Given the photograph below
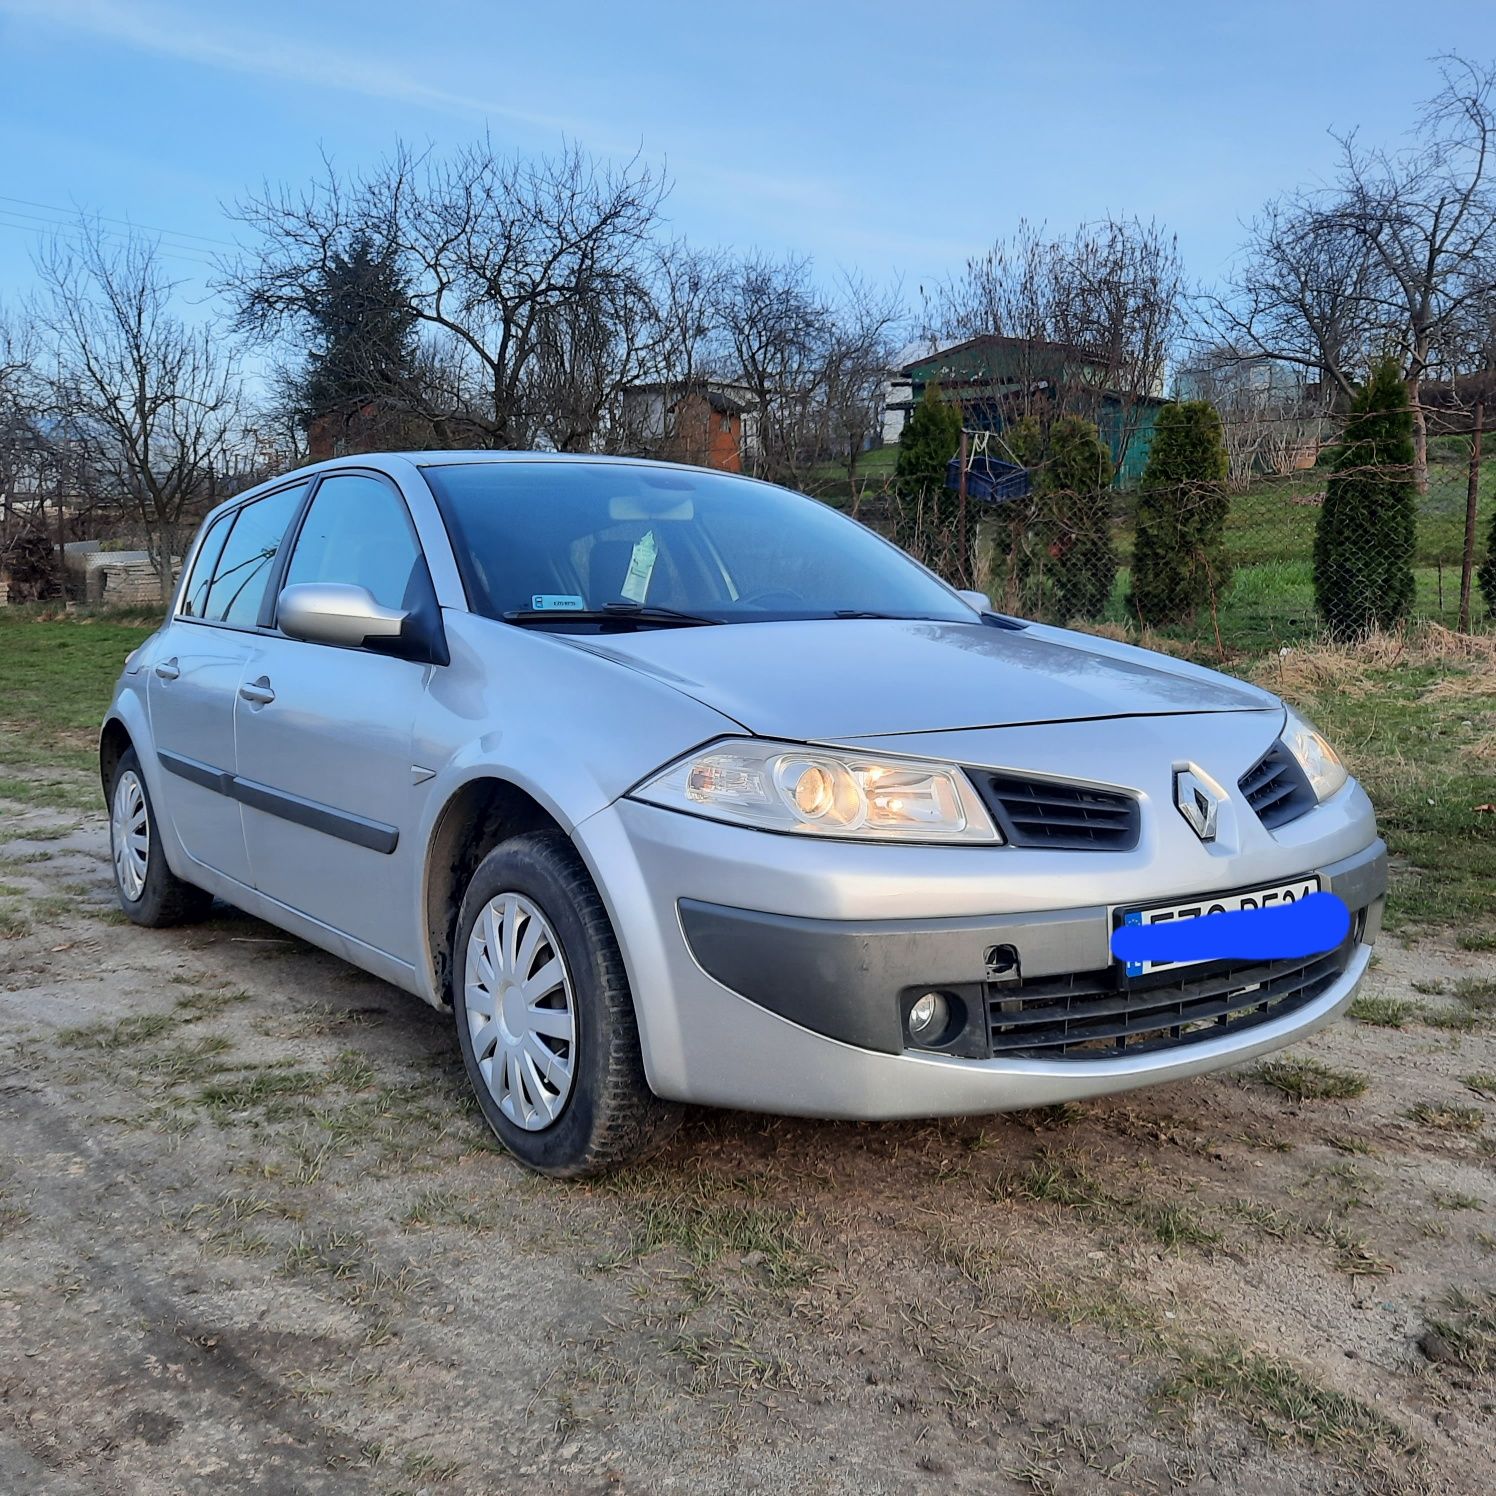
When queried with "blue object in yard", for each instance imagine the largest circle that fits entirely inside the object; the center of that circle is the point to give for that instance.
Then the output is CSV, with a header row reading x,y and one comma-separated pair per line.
x,y
989,480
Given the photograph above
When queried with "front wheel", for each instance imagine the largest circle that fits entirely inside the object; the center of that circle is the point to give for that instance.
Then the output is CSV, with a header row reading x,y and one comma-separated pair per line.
x,y
544,1014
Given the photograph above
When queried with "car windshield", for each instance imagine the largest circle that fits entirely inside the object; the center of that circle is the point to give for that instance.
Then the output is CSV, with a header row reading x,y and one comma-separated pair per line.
x,y
537,541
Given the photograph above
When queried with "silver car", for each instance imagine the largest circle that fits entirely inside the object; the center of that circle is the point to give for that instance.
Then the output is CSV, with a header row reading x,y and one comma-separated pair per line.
x,y
676,786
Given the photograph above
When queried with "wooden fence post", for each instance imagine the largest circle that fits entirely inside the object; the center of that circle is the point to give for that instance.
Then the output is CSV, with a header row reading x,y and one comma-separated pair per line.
x,y
1472,503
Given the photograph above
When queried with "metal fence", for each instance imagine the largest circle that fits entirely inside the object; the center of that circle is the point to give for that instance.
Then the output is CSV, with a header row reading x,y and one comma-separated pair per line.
x,y
1062,557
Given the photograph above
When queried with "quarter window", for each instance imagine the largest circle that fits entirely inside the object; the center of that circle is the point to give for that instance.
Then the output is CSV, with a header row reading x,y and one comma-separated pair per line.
x,y
243,570
195,593
357,531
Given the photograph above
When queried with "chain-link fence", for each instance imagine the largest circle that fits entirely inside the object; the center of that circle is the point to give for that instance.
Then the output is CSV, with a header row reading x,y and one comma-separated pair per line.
x,y
1231,564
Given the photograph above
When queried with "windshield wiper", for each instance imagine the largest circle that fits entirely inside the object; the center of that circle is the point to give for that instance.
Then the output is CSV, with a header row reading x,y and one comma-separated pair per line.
x,y
618,612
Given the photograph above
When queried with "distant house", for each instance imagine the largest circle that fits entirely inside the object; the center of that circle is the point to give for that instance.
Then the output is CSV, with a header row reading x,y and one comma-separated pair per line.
x,y
705,422
897,394
997,380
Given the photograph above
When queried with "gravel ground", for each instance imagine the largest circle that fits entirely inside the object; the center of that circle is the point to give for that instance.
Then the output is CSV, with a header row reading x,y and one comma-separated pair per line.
x,y
253,1236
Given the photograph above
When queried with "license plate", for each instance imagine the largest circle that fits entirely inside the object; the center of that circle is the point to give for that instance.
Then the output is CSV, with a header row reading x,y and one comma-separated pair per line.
x,y
1216,903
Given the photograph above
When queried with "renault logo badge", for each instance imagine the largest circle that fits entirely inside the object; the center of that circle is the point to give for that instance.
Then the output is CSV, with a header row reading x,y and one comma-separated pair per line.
x,y
1197,803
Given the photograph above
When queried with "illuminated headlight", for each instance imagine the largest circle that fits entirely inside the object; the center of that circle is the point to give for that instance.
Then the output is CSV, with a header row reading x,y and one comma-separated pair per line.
x,y
1320,762
817,792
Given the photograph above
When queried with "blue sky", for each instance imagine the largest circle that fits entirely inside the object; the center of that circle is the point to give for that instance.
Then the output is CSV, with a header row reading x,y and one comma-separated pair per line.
x,y
892,138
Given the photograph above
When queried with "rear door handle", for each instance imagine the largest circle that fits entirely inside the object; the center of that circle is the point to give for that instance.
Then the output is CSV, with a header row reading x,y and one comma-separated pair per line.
x,y
169,669
257,691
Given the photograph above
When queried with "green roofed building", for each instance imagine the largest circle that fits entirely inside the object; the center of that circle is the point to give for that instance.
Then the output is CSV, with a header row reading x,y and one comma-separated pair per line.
x,y
999,380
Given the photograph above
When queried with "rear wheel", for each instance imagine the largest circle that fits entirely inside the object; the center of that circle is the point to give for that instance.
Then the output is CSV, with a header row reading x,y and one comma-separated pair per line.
x,y
149,892
544,1014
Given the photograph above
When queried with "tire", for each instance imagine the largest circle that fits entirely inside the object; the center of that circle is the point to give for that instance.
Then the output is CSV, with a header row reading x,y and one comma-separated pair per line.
x,y
555,1064
149,892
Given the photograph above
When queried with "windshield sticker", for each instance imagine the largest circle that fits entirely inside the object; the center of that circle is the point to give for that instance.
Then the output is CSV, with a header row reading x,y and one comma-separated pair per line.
x,y
641,568
557,602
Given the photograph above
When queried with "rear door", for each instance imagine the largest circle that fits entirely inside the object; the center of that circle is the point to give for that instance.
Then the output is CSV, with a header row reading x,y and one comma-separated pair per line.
x,y
324,733
197,670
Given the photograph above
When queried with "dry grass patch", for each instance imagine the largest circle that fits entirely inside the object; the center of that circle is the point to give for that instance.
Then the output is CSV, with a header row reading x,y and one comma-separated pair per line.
x,y
1467,1337
1310,1080
1382,1012
140,1028
1447,1116
1282,1403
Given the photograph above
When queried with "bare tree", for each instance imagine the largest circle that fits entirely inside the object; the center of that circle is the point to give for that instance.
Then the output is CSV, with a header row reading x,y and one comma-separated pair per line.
x,y
1399,253
774,326
1303,292
865,331
23,443
525,277
1428,216
1109,299
148,405
1270,412
813,362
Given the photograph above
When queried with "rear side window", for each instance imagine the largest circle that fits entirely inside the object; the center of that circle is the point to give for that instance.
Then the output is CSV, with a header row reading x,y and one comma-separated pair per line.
x,y
244,566
195,593
357,531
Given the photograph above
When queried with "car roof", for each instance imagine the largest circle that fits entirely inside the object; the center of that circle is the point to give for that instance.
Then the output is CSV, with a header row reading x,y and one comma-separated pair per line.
x,y
395,464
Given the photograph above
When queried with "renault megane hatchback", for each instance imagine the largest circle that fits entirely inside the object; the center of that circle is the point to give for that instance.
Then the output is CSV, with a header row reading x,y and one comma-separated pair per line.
x,y
676,786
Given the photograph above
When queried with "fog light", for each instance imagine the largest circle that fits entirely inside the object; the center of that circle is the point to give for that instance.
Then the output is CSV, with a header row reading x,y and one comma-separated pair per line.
x,y
929,1017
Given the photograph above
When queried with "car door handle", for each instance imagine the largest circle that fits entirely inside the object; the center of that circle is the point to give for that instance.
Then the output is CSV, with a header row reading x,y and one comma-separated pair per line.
x,y
168,669
257,691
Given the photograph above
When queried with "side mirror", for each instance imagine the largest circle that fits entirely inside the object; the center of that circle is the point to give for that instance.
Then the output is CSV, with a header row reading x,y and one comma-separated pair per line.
x,y
979,600
337,613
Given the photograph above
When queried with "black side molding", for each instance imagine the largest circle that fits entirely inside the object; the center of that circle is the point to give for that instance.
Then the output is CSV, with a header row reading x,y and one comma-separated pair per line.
x,y
343,824
203,775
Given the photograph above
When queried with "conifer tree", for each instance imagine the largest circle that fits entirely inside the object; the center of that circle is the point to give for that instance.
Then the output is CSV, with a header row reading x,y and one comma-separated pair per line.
x,y
1364,543
1179,558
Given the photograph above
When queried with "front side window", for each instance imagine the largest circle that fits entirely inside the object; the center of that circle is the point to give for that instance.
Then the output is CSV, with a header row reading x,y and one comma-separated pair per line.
x,y
357,531
243,569
559,537
195,593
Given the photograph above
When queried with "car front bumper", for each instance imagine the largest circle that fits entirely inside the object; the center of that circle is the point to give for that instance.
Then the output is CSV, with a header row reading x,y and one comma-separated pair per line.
x,y
828,934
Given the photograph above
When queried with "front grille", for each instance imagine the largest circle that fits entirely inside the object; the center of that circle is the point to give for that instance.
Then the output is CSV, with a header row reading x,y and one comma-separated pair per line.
x,y
1062,816
1096,1016
1277,788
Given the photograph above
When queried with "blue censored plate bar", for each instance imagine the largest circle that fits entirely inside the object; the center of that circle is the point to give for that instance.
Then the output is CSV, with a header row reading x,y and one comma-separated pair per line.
x,y
1289,926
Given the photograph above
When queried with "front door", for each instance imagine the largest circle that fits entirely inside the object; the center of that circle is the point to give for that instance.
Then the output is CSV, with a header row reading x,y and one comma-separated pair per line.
x,y
196,669
324,735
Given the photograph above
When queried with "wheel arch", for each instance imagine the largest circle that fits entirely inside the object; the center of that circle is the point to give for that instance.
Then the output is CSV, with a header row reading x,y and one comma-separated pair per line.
x,y
478,815
114,742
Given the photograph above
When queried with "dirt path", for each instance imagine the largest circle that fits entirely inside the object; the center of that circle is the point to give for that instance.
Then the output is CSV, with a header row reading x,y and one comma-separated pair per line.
x,y
254,1237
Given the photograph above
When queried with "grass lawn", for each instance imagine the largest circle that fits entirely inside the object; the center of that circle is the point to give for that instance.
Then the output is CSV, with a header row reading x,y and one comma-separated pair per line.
x,y
1418,728
56,677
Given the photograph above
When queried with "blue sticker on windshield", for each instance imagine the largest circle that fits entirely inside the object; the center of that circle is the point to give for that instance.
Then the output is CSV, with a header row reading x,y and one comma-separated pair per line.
x,y
557,602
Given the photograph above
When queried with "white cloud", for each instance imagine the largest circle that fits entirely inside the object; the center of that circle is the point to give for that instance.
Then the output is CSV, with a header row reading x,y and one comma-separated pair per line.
x,y
183,36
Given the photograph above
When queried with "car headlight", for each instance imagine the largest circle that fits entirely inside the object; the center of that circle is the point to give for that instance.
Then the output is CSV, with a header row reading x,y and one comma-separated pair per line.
x,y
1320,762
819,792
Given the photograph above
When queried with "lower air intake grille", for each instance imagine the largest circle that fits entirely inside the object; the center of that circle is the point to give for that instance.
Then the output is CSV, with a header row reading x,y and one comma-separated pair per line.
x,y
1092,1016
1276,788
1066,817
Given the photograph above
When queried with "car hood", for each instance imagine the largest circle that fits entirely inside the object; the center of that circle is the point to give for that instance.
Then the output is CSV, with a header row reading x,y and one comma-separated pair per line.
x,y
842,678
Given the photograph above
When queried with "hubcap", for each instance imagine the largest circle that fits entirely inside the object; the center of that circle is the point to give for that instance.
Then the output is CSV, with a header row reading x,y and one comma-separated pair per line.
x,y
521,1015
129,835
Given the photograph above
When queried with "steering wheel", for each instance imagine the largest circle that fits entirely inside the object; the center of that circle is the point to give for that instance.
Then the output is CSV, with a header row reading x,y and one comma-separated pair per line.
x,y
772,597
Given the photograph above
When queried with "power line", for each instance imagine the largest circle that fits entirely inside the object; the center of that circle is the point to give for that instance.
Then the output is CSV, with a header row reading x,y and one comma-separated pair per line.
x,y
72,213
61,231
